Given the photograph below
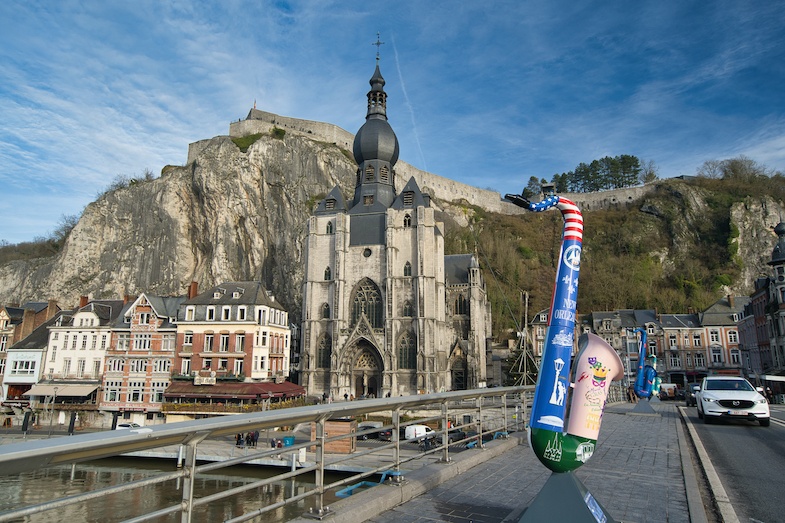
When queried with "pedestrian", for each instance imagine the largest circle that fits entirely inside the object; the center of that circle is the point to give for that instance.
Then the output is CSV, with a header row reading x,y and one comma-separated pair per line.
x,y
238,440
345,396
272,443
248,439
255,437
769,395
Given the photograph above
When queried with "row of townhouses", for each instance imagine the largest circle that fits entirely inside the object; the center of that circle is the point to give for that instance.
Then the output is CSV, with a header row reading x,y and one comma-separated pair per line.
x,y
149,358
737,335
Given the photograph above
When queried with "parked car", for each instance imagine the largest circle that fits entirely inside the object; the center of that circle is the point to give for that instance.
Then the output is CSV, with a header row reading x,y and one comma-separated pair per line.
x,y
456,435
418,432
366,425
126,426
690,395
726,397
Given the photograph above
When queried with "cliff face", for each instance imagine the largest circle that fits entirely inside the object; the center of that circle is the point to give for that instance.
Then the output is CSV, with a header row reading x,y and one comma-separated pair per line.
x,y
226,216
232,215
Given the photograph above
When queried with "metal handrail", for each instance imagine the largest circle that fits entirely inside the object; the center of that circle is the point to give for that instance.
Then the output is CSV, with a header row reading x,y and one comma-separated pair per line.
x,y
31,455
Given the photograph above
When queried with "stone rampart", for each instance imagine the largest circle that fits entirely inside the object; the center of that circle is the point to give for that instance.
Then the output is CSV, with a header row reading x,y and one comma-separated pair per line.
x,y
437,186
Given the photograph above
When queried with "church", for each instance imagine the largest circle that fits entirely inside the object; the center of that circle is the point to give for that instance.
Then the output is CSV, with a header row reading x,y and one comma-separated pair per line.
x,y
385,312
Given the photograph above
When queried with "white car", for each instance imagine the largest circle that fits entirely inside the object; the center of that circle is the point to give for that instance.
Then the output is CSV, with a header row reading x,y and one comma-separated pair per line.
x,y
127,426
729,397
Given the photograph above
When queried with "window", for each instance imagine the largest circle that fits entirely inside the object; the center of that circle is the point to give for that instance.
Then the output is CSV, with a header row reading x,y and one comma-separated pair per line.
x,y
143,341
407,352
408,198
408,310
733,337
208,343
210,313
66,367
123,341
672,341
223,343
94,342
696,340
407,221
162,365
384,174
137,365
242,313
226,313
80,367
112,390
157,392
325,311
675,360
239,343
96,368
649,329
23,367
136,391
223,363
185,366
688,358
189,313
369,172
73,342
207,363
65,341
188,338
264,338
115,365
238,367
324,352
103,341
54,354
700,359
329,227
329,204
461,305
167,342
144,318
735,357
368,199
328,275
407,269
714,336
84,342
716,355
367,301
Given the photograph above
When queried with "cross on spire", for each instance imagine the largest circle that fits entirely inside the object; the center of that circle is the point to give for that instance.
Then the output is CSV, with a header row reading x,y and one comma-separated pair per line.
x,y
378,43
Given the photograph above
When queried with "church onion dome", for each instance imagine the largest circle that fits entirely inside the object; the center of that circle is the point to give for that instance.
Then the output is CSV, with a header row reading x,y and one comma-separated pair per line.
x,y
778,255
376,140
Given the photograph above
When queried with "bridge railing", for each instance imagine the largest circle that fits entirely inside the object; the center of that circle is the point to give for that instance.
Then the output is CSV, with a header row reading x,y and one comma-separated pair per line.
x,y
478,415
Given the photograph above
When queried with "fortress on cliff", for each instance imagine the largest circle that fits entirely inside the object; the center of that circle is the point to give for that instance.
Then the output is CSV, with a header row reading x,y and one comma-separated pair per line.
x,y
439,187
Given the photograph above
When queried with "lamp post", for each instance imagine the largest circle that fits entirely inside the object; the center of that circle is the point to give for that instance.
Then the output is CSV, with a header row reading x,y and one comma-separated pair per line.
x,y
52,412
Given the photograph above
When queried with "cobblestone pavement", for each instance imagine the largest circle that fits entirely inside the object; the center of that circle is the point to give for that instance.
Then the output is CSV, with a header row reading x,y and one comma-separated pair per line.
x,y
635,473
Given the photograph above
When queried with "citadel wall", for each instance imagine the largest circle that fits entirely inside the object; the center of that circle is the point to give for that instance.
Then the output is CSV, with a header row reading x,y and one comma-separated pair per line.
x,y
439,187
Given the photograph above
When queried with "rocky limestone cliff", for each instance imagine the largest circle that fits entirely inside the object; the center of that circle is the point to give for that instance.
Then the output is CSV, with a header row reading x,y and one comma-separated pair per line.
x,y
233,215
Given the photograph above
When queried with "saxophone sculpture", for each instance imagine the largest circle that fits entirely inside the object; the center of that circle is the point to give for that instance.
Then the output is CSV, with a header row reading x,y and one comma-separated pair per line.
x,y
597,364
647,374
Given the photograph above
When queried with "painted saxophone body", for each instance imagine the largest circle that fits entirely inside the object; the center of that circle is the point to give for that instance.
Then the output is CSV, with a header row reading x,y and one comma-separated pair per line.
x,y
597,364
646,375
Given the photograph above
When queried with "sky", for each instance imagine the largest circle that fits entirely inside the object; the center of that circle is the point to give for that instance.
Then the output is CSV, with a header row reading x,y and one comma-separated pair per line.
x,y
485,93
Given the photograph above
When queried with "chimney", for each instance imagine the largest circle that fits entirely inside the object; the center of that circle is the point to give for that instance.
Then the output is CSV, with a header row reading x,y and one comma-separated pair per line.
x,y
193,290
51,309
83,300
28,323
731,300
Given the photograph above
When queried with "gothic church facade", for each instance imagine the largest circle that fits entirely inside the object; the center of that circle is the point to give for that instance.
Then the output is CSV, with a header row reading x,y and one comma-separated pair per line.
x,y
385,312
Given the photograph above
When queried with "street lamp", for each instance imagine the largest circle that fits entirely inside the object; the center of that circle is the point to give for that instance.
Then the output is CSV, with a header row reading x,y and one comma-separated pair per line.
x,y
52,412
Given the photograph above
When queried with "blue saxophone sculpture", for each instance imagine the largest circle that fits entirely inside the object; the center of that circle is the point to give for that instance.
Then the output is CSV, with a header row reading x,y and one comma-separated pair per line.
x,y
647,374
596,362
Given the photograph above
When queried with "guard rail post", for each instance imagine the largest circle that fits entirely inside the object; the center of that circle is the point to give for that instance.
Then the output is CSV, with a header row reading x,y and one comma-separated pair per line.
x,y
445,434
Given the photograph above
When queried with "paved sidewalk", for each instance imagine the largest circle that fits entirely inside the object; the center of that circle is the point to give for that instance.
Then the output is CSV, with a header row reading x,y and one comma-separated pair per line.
x,y
636,473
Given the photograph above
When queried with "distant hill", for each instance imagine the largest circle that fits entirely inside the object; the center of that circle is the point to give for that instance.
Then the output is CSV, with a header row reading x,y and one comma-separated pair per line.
x,y
238,210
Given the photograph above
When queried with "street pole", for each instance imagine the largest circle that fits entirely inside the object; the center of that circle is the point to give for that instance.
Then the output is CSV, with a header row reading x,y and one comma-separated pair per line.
x,y
52,412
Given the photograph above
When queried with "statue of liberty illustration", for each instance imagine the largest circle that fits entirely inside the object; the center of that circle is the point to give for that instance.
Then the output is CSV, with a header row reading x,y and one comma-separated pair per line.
x,y
595,364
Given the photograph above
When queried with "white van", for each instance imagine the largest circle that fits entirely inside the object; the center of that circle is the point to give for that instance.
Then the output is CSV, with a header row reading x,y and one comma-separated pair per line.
x,y
418,432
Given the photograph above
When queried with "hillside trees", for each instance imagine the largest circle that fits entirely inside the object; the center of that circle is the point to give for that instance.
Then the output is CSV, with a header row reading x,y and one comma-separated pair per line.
x,y
603,174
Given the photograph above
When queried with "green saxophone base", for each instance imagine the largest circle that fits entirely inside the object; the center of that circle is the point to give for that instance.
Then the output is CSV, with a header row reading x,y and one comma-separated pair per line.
x,y
565,498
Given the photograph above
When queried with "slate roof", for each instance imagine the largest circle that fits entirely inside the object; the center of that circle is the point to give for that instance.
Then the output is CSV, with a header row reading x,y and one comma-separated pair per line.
x,y
251,293
39,338
456,268
680,321
722,313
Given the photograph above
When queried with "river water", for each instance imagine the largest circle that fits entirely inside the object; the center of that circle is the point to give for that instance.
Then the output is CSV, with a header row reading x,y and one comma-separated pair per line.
x,y
55,482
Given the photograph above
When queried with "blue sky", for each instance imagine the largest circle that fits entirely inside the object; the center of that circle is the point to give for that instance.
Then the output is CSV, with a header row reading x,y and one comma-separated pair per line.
x,y
487,93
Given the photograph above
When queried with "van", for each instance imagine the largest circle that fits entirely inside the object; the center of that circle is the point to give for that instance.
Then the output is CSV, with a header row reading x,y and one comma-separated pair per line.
x,y
418,432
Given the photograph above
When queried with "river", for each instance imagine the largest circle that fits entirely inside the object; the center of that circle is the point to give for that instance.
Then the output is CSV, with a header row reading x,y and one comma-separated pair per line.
x,y
55,482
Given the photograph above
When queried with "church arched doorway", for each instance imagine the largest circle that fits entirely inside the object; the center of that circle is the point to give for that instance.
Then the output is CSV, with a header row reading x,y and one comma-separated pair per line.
x,y
366,371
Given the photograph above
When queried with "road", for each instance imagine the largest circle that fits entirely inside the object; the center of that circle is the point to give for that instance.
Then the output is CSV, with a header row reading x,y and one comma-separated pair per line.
x,y
750,462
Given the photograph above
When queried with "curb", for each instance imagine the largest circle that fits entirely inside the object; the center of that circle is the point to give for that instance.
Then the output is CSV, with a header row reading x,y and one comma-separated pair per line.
x,y
372,502
716,489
